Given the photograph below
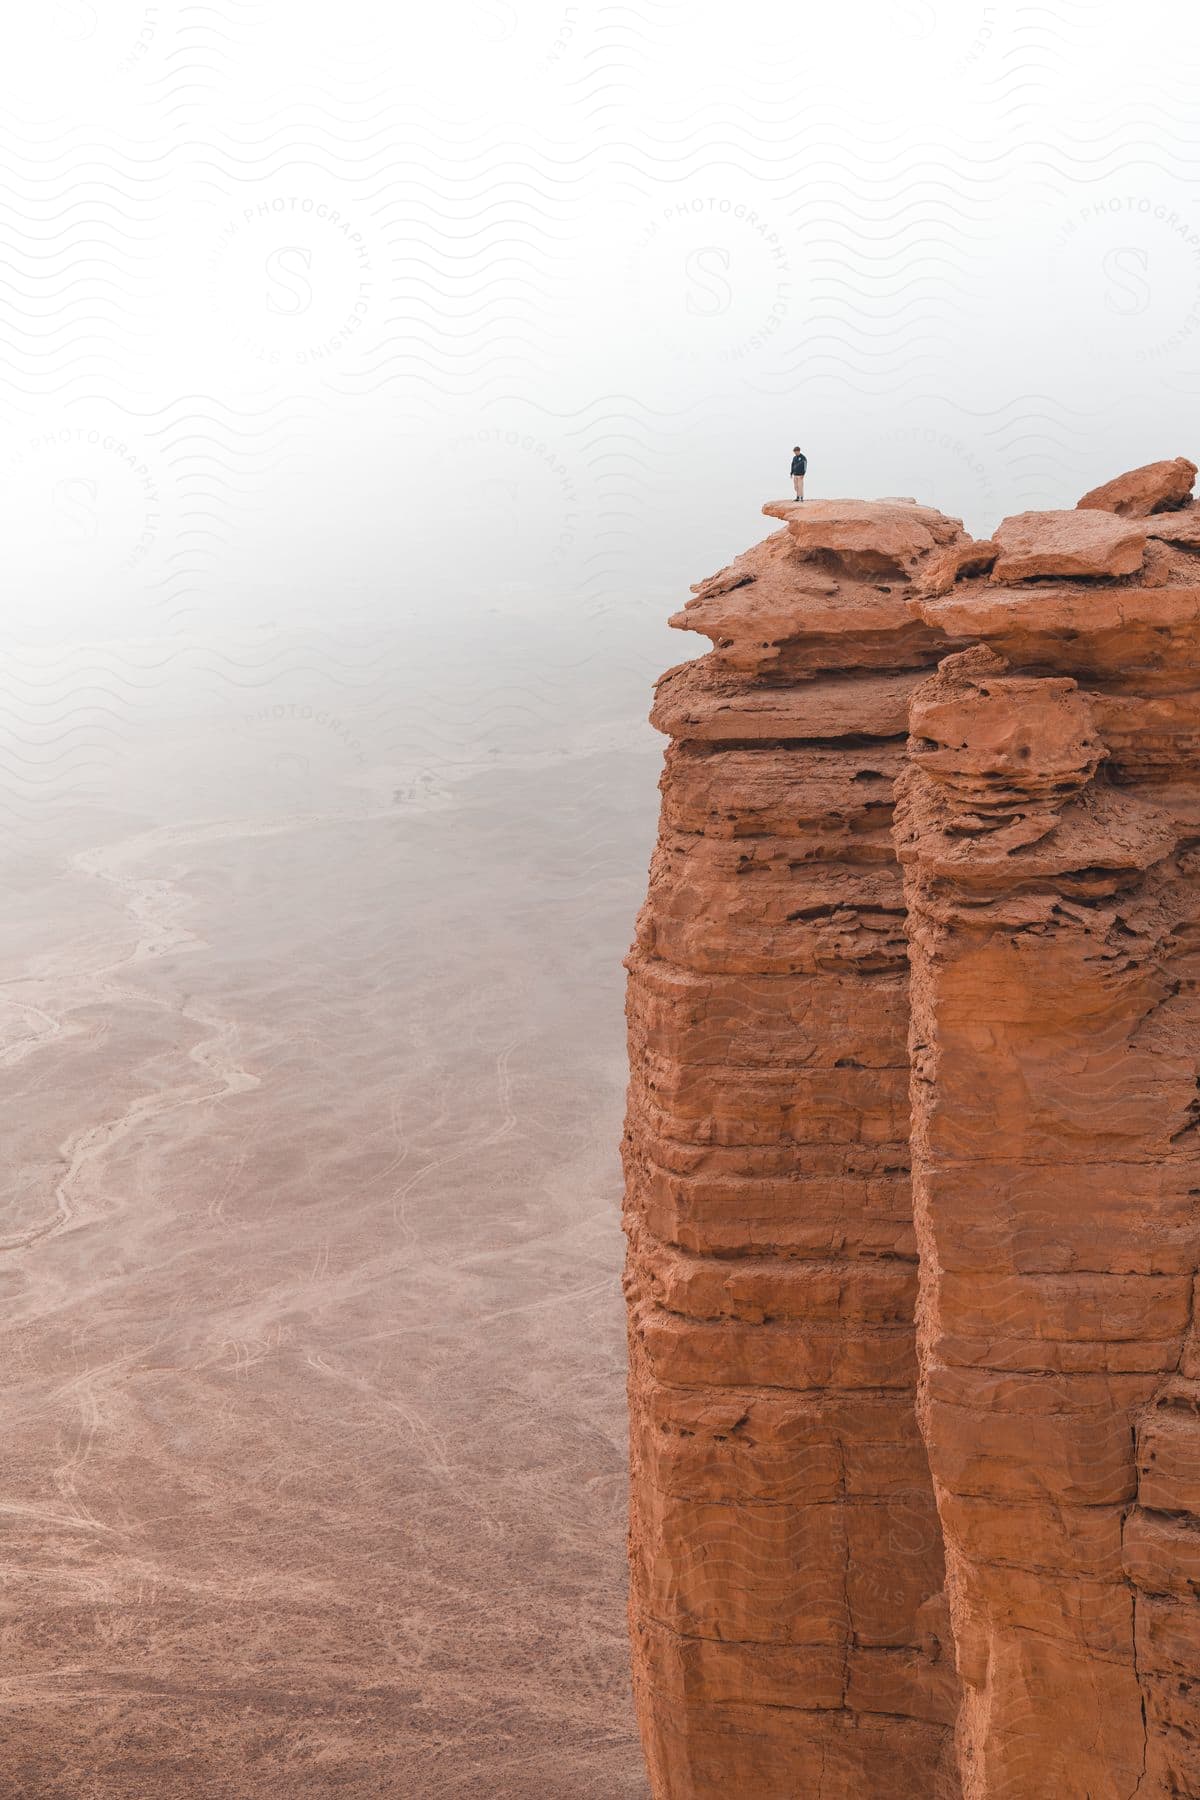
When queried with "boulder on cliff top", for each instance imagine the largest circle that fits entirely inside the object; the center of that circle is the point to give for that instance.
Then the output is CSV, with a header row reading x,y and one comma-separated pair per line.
x,y
1036,544
869,537
1155,487
779,609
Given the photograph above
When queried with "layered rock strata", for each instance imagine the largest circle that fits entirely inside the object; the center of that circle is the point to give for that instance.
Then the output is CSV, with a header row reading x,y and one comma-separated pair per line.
x,y
1038,918
790,1632
786,1595
1049,825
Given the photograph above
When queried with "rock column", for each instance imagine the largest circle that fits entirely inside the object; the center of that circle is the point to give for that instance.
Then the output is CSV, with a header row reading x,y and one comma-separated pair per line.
x,y
790,1626
786,1565
1049,828
1041,1088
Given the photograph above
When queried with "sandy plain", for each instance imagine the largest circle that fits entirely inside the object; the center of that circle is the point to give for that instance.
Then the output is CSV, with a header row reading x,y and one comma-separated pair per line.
x,y
313,1397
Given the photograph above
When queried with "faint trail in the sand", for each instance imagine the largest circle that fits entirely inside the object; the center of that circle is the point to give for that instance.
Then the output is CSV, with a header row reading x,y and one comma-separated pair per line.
x,y
61,988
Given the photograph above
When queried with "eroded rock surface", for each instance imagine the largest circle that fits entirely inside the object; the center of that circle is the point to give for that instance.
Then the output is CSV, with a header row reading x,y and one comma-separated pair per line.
x,y
1153,488
791,1634
1038,544
1049,825
786,1562
1038,918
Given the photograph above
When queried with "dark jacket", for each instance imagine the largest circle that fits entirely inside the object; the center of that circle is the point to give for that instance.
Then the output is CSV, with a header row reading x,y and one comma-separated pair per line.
x,y
800,464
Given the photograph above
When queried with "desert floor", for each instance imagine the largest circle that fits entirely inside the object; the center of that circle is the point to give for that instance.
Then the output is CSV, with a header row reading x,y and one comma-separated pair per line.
x,y
313,1405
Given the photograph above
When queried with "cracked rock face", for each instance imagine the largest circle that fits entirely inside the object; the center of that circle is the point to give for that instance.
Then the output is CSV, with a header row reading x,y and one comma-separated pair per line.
x,y
1049,1053
1048,824
916,1471
787,1612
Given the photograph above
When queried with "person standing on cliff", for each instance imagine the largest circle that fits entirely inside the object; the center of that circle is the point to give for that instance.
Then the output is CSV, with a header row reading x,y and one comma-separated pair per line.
x,y
799,470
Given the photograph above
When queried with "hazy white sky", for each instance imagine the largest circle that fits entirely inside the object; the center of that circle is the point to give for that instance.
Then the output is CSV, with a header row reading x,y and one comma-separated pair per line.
x,y
322,319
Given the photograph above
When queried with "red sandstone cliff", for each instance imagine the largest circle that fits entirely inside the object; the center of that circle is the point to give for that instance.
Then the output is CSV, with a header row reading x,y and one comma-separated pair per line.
x,y
1049,826
786,1559
790,1634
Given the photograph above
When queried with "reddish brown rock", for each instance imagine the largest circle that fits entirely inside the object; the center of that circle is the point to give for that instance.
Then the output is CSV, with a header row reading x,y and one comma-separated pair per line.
x,y
1048,827
786,1565
789,1622
1040,916
871,539
1155,487
1035,545
750,613
1181,527
939,572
